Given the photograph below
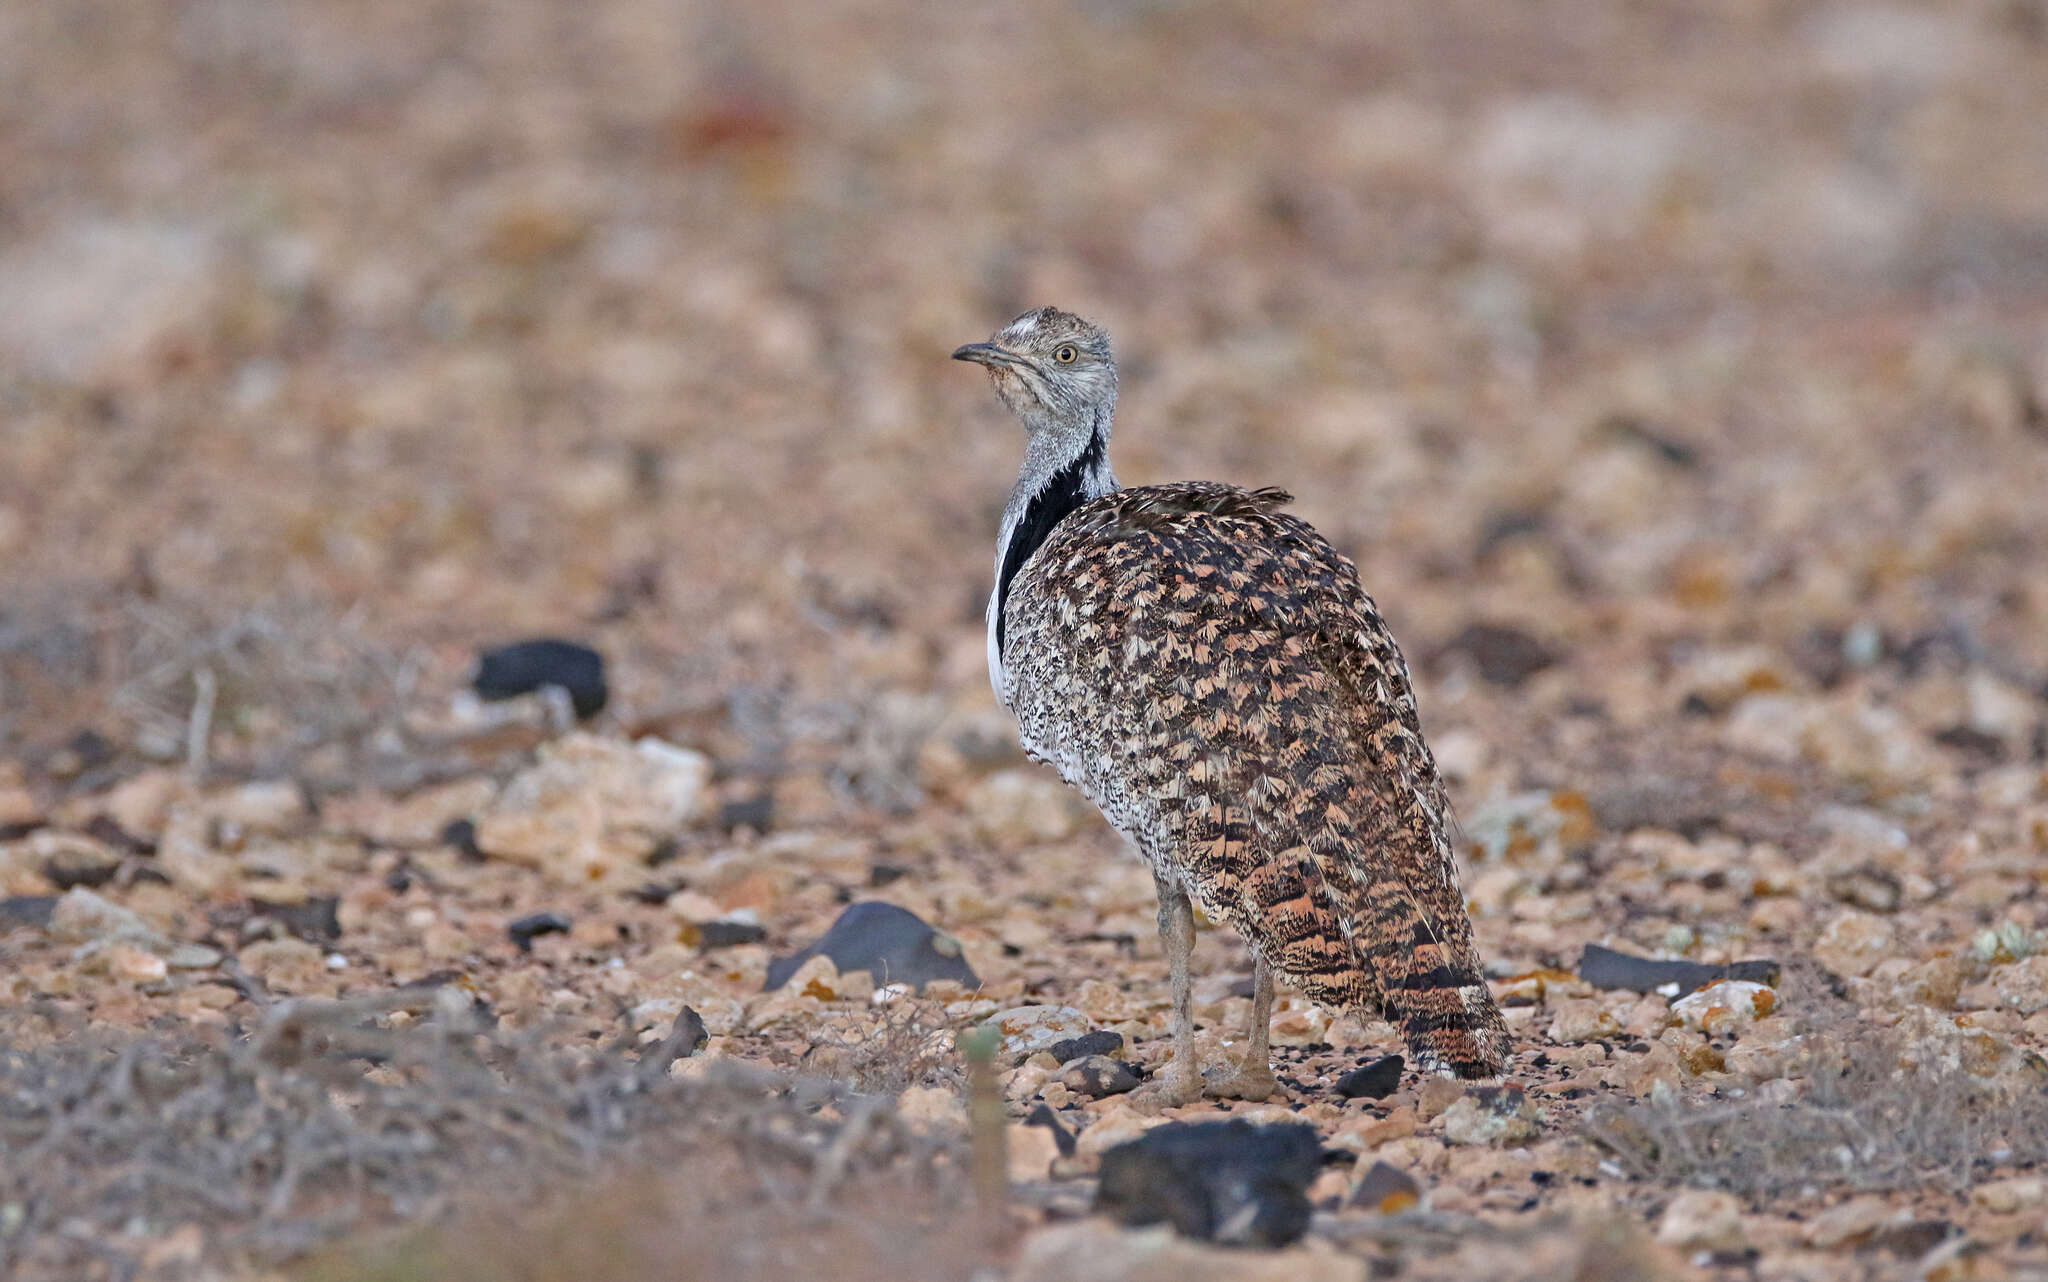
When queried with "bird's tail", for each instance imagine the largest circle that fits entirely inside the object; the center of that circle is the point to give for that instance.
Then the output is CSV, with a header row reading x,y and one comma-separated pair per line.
x,y
1430,983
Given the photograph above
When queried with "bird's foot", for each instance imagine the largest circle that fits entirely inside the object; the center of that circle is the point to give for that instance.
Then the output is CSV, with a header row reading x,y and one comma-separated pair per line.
x,y
1242,1080
1176,1086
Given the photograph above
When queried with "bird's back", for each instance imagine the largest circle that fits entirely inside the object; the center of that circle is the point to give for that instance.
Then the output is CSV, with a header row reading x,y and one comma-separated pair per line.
x,y
1208,670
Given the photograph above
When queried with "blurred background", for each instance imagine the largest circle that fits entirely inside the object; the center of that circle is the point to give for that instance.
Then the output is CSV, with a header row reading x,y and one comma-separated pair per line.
x,y
340,337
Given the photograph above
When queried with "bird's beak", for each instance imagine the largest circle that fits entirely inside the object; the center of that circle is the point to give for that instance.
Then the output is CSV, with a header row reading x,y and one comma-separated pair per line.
x,y
985,354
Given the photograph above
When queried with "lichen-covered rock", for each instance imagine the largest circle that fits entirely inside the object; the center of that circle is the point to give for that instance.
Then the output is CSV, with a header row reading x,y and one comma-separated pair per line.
x,y
1501,1115
1726,1006
1027,1030
1853,943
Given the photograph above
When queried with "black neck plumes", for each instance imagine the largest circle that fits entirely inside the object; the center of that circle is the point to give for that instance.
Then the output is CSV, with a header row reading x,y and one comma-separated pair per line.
x,y
1066,490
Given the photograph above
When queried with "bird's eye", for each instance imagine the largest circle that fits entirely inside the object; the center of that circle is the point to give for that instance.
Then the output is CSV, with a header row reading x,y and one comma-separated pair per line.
x,y
1064,353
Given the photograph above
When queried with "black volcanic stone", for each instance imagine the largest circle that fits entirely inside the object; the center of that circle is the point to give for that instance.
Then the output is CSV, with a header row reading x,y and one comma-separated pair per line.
x,y
1376,1080
531,927
893,944
1606,968
1103,1042
1228,1182
525,666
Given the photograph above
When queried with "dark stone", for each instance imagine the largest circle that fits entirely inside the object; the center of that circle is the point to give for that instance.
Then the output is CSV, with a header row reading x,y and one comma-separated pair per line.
x,y
882,874
892,944
461,834
1914,1240
654,892
727,934
26,910
103,828
86,750
1376,1080
1606,968
1972,742
1385,1188
751,812
525,666
1097,1076
1636,431
1228,1182
534,925
1103,1042
1504,656
685,1038
316,919
1061,1136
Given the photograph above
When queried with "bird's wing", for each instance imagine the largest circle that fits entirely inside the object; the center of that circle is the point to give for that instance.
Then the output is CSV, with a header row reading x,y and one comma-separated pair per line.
x,y
1262,723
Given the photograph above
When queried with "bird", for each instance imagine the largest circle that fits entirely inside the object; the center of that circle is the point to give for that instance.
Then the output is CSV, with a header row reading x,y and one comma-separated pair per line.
x,y
1205,668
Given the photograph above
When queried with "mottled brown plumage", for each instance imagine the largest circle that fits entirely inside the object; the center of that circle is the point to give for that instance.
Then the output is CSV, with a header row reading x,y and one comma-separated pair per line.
x,y
1208,671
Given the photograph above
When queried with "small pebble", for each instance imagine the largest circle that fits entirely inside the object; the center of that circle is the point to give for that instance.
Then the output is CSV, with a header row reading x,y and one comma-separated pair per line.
x,y
528,928
1376,1080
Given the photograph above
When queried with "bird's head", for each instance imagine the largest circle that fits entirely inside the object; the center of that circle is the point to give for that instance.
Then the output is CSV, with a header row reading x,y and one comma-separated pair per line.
x,y
1053,369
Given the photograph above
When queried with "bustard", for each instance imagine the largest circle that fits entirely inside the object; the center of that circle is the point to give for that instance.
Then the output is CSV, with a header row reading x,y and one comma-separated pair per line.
x,y
1208,671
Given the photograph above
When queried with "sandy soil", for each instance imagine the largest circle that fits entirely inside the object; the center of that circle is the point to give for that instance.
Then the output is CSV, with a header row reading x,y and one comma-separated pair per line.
x,y
1677,376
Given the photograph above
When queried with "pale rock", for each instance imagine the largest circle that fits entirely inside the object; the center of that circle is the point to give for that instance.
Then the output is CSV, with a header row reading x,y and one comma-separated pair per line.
x,y
1853,943
18,806
1936,981
2004,1197
817,977
1771,726
186,855
287,965
932,1109
192,957
1111,1129
141,806
71,857
692,906
82,916
92,295
591,810
1365,1135
272,808
1030,1150
1869,745
1721,678
416,820
1725,1006
1703,1220
1849,1223
2024,984
134,965
1093,1250
1582,1020
1024,807
1026,1030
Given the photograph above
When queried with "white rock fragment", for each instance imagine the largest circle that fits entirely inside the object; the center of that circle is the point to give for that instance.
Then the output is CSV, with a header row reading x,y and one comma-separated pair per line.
x,y
1703,1220
1726,1006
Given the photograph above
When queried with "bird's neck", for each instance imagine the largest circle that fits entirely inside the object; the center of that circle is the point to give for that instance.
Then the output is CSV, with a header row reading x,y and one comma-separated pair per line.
x,y
1060,473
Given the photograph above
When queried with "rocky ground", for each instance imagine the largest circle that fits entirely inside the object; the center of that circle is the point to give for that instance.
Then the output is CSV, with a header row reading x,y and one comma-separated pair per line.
x,y
1677,375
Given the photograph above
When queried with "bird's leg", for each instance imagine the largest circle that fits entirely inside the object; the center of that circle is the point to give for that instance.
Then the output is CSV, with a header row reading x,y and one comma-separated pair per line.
x,y
1251,1078
1181,1081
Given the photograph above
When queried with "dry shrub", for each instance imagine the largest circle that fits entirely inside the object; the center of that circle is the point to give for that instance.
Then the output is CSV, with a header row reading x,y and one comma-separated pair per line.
x,y
905,1043
333,1117
259,688
1874,1112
